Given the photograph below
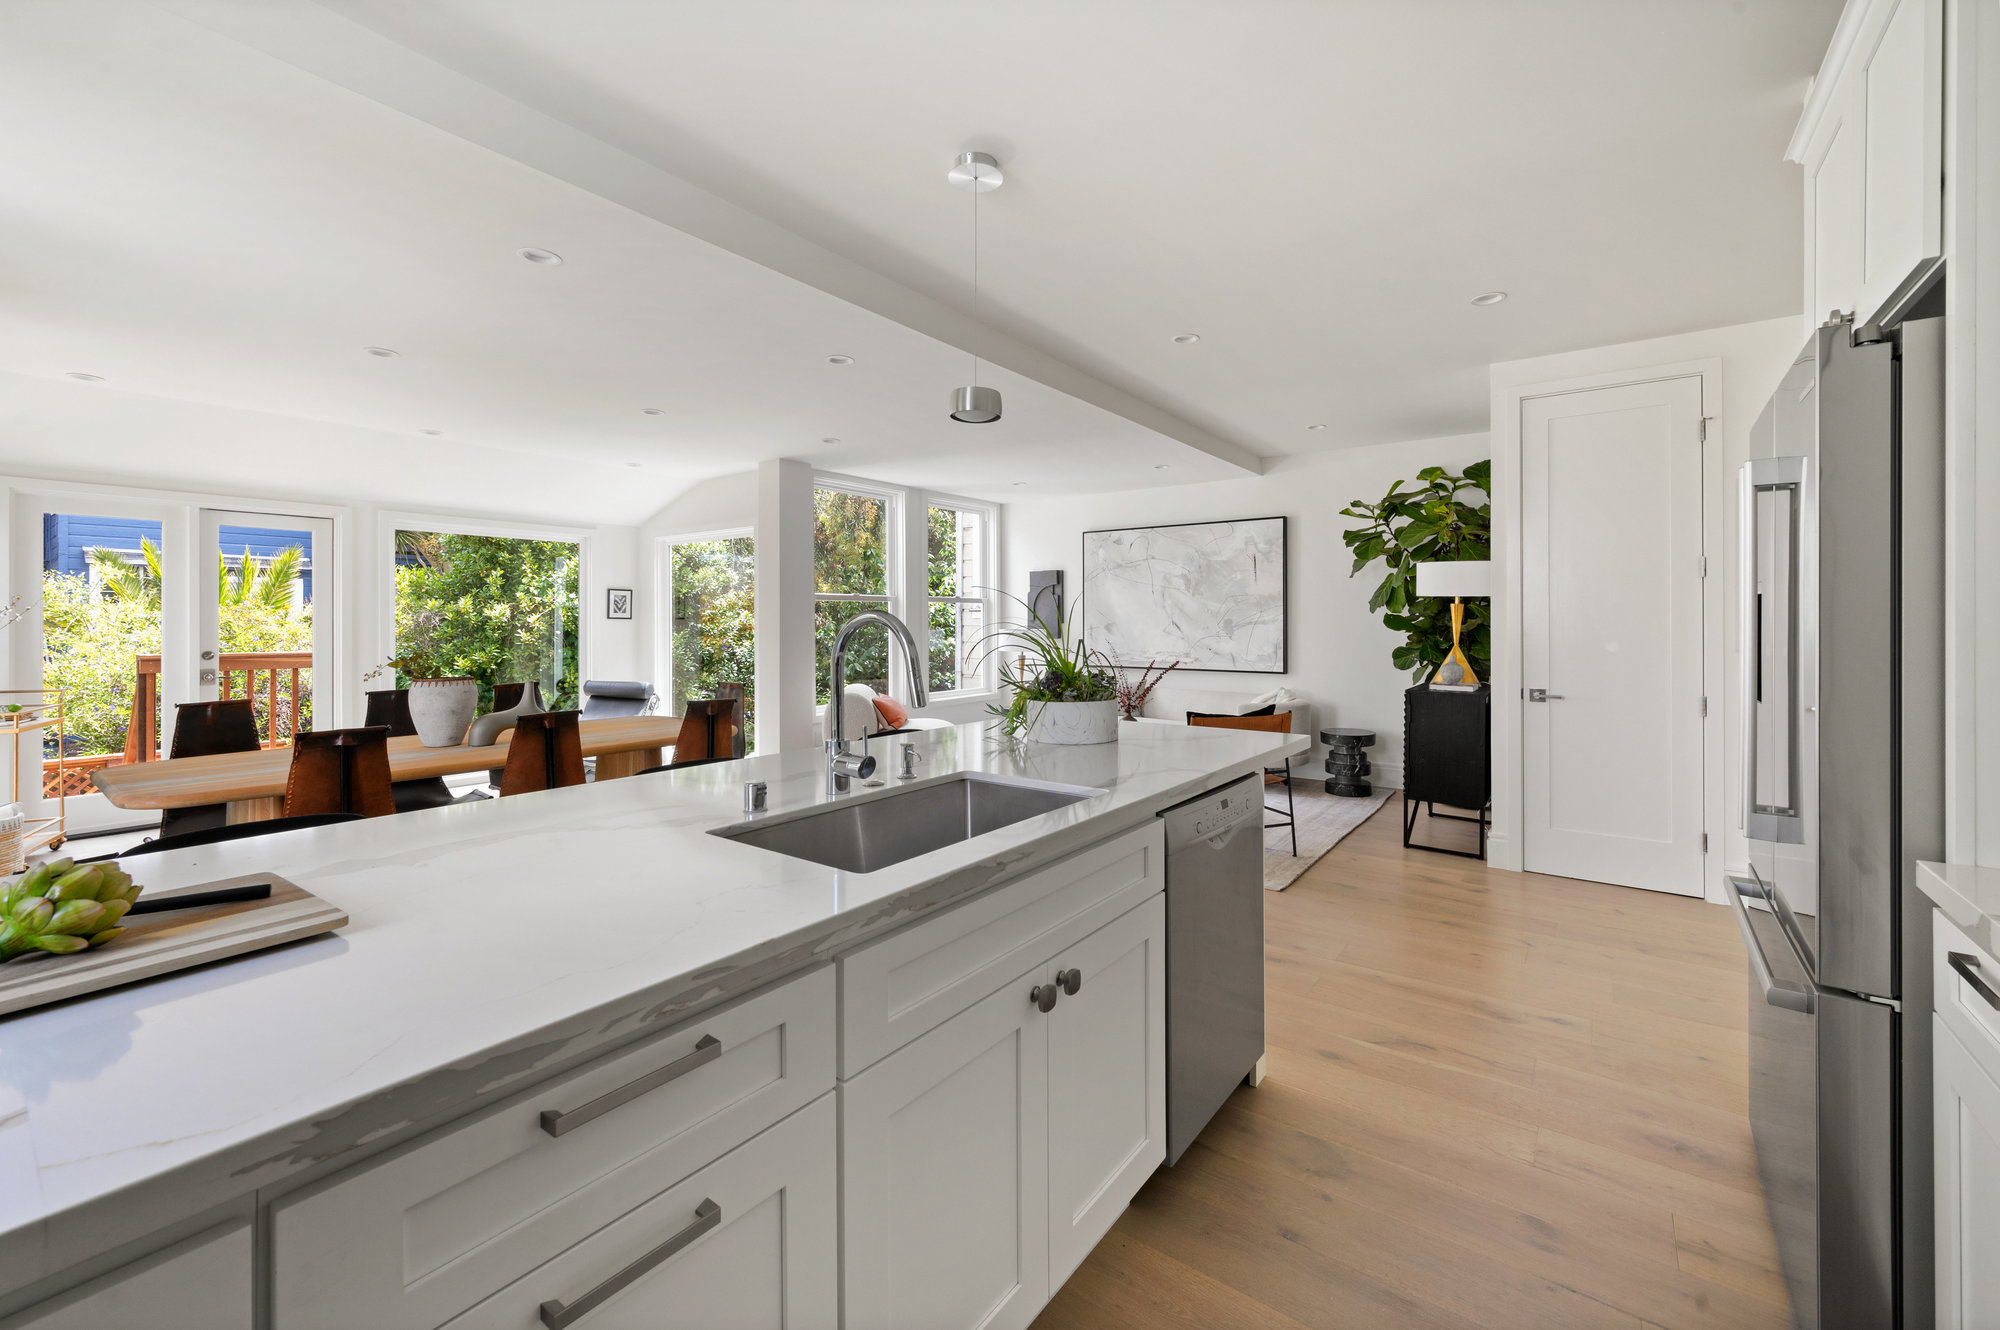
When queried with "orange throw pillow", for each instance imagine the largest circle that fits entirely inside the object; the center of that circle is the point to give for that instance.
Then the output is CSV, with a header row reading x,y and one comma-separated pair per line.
x,y
894,714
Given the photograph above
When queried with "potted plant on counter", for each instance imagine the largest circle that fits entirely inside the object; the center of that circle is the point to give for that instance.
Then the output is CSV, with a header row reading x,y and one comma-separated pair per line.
x,y
1060,691
441,708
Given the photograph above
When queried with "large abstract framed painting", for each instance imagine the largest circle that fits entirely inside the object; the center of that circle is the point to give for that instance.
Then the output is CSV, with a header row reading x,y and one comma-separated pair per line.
x,y
1210,595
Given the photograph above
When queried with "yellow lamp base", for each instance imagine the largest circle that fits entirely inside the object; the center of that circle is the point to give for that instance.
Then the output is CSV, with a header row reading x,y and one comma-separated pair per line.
x,y
1457,657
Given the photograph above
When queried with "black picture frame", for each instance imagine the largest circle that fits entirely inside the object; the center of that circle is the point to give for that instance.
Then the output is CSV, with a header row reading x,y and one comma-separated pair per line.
x,y
1285,587
618,602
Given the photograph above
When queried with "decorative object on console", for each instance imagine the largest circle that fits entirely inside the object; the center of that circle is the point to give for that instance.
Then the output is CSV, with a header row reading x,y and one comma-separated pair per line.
x,y
618,602
1459,579
1045,598
1346,765
1429,523
1210,595
1133,690
1063,692
1447,758
440,707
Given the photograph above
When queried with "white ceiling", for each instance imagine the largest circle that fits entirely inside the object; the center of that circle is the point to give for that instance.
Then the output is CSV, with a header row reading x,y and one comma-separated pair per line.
x,y
1316,189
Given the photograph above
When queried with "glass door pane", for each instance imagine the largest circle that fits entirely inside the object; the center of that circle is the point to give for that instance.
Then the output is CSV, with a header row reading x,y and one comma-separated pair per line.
x,y
714,631
264,580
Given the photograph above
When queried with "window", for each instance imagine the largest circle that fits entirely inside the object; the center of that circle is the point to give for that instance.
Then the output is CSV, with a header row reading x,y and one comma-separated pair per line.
x,y
958,587
714,631
852,565
498,609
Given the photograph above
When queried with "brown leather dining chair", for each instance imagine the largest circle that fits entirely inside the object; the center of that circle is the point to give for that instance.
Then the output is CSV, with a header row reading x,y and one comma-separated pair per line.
x,y
390,707
202,729
340,771
1281,723
546,753
711,727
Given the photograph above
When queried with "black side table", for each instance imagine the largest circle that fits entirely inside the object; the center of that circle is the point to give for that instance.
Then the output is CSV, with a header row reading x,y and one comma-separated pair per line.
x,y
1346,765
1447,758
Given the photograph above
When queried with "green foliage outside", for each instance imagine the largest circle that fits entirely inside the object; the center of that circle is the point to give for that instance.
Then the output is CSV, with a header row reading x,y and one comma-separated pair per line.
x,y
850,555
954,628
92,637
1428,523
491,608
715,622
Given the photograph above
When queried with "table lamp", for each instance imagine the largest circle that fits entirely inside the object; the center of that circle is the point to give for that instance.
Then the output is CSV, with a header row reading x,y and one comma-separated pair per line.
x,y
1467,577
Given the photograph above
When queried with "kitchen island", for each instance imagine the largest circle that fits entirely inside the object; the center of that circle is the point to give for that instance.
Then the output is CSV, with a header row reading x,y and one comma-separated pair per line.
x,y
570,939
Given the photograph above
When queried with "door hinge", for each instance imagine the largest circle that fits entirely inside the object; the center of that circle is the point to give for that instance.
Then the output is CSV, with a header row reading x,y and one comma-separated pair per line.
x,y
1704,429
1704,708
1704,566
1704,842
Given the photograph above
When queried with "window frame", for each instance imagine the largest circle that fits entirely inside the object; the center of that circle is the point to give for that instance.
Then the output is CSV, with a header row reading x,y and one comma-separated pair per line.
x,y
663,627
892,598
989,514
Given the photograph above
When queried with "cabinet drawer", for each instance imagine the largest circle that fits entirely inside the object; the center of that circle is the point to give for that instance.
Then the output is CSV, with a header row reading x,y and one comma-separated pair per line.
x,y
753,1240
417,1237
1959,1005
913,981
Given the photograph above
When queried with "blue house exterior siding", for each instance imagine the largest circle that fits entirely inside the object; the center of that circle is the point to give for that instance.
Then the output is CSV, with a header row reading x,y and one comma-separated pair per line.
x,y
67,536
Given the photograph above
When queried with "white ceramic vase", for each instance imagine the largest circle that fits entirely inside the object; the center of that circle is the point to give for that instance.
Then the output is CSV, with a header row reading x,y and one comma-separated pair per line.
x,y
1073,722
441,709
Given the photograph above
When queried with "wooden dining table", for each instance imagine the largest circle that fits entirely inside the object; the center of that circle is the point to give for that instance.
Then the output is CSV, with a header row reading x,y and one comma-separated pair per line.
x,y
253,784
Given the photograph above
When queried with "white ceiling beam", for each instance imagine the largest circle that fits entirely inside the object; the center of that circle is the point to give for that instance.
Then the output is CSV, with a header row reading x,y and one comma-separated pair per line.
x,y
353,56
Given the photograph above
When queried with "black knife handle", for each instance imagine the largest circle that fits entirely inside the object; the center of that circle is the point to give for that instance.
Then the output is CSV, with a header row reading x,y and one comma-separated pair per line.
x,y
255,891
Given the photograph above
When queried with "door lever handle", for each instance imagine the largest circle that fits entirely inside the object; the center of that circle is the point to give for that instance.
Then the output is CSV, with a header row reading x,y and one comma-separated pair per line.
x,y
1543,695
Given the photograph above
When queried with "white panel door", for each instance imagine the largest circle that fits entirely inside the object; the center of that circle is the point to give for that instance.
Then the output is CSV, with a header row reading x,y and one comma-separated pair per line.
x,y
1107,1080
944,1174
1966,1116
1611,602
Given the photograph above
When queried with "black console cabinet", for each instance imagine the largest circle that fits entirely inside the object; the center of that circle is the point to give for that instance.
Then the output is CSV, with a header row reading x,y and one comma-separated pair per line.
x,y
1447,757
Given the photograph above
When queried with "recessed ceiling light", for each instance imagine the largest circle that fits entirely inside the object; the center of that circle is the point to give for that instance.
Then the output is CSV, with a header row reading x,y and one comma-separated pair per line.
x,y
651,411
1020,484
1315,427
829,440
635,464
81,377
1489,298
1186,339
1159,466
432,432
840,360
382,352
548,258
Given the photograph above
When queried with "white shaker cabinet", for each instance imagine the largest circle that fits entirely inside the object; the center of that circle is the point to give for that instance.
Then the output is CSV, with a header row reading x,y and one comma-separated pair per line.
x,y
203,1283
1872,145
1966,1108
983,1161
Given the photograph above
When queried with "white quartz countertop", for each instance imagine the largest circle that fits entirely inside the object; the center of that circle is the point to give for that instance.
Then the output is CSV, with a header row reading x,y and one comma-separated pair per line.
x,y
490,944
1969,896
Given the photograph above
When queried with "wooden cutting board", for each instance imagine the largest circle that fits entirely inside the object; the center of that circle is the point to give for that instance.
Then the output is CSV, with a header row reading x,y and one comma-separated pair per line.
x,y
157,944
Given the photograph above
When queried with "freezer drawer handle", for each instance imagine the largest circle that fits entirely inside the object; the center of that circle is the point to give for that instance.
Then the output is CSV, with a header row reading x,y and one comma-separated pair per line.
x,y
555,1122
1967,967
556,1316
1775,993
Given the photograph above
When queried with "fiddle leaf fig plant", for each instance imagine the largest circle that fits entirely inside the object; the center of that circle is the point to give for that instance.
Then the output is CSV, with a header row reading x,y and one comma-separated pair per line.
x,y
1428,522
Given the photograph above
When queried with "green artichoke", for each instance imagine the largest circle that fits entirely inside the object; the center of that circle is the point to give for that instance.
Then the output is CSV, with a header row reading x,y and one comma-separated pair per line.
x,y
61,907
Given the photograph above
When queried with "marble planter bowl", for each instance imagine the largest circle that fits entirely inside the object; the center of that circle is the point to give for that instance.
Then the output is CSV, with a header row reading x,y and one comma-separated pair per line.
x,y
1073,722
442,709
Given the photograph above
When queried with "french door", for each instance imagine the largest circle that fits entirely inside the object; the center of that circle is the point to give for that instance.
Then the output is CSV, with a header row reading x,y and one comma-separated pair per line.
x,y
1611,648
133,607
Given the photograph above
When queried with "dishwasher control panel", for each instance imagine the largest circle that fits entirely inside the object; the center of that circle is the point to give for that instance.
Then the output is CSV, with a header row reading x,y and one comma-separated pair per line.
x,y
1225,813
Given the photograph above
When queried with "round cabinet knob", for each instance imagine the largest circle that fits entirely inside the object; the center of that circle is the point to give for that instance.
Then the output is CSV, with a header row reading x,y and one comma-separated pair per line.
x,y
1071,981
1044,996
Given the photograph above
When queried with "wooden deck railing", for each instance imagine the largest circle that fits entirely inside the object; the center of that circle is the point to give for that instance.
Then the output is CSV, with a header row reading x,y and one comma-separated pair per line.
x,y
282,698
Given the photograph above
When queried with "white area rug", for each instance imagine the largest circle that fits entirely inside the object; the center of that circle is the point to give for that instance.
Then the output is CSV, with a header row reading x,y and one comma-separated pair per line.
x,y
1324,819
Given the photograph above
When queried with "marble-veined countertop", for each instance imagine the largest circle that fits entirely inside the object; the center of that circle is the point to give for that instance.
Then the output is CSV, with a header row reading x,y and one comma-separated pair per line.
x,y
490,944
1969,896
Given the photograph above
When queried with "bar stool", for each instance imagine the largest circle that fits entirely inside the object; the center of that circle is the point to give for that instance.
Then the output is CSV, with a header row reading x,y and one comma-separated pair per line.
x,y
546,753
1281,723
340,771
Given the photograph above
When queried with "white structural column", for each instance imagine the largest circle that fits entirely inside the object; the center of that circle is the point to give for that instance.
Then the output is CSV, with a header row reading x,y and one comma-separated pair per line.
x,y
784,606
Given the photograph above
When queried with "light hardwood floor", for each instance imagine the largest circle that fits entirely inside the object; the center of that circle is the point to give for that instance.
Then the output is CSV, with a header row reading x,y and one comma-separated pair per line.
x,y
1494,1100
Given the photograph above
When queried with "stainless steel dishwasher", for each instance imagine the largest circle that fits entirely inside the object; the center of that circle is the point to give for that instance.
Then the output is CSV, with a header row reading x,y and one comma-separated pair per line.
x,y
1215,952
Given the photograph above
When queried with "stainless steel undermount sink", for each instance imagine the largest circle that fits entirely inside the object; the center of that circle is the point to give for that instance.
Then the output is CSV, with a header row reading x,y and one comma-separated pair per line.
x,y
871,831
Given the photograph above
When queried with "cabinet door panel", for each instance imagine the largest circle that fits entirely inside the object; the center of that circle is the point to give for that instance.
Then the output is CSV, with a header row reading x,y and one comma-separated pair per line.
x,y
200,1284
1836,202
1107,1081
944,1202
771,1262
1901,85
1967,1119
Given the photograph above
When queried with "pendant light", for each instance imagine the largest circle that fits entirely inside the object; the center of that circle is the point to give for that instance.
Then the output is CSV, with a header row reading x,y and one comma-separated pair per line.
x,y
977,173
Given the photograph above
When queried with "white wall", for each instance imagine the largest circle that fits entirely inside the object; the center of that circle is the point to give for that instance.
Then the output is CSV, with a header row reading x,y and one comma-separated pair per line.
x,y
1339,650
1741,366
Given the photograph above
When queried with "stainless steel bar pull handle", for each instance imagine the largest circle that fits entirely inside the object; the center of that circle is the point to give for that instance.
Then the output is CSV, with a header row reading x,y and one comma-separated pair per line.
x,y
556,1121
1968,967
557,1315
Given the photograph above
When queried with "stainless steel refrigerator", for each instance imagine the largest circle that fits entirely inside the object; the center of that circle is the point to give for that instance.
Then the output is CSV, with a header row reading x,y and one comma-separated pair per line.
x,y
1842,514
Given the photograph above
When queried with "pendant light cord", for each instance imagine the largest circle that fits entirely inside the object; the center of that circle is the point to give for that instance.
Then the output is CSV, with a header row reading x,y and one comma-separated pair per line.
x,y
975,268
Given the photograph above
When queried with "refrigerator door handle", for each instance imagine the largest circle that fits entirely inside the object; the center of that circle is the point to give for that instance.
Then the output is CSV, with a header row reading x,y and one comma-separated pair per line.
x,y
1772,489
1776,993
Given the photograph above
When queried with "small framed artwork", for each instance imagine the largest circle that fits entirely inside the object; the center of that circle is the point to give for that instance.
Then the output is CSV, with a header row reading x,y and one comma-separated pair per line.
x,y
618,603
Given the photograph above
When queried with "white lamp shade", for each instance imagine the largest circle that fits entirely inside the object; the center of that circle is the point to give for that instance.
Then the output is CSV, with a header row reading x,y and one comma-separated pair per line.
x,y
1471,577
